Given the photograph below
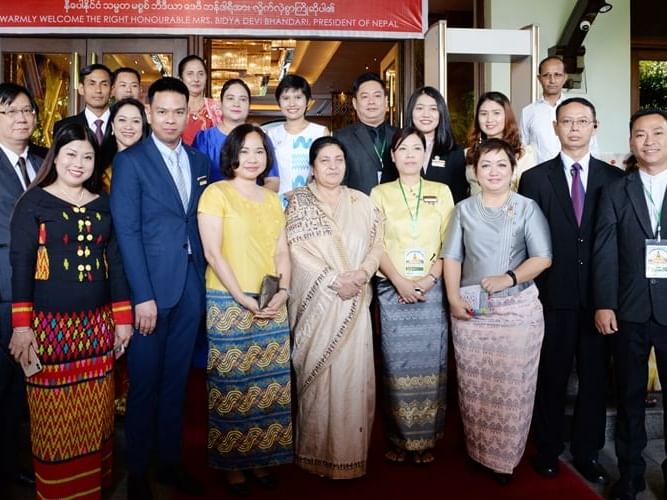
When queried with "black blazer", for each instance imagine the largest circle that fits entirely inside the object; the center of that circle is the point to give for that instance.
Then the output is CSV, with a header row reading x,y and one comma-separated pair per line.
x,y
10,191
108,149
362,162
567,283
619,270
452,173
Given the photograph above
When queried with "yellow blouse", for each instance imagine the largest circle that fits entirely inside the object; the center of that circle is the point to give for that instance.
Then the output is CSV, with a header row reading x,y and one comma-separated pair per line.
x,y
413,248
250,233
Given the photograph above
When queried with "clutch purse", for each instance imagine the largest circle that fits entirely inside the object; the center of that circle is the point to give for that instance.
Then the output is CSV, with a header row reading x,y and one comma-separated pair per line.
x,y
268,289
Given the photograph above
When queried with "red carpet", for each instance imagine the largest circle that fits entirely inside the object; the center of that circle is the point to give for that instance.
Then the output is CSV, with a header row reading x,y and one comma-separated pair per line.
x,y
451,476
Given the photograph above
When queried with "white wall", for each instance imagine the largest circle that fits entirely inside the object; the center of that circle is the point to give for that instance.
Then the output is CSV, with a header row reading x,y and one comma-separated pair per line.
x,y
606,78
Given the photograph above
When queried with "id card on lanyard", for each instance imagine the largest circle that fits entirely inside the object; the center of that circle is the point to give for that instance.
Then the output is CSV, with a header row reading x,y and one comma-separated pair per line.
x,y
656,249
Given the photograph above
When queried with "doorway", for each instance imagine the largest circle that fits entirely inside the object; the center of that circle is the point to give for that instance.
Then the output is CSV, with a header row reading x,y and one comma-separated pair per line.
x,y
49,68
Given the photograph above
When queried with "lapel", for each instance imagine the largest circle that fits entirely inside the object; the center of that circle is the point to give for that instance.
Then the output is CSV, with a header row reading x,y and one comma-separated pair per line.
x,y
194,174
635,192
592,186
13,185
154,156
366,143
558,182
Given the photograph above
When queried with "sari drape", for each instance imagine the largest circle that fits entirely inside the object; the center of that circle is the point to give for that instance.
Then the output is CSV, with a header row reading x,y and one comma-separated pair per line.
x,y
332,346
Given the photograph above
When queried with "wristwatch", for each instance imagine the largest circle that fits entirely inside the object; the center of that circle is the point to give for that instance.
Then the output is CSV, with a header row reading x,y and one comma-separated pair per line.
x,y
511,274
435,280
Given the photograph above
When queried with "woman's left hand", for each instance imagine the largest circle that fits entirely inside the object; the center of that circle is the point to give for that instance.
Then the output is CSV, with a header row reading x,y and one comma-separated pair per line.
x,y
493,284
123,334
274,306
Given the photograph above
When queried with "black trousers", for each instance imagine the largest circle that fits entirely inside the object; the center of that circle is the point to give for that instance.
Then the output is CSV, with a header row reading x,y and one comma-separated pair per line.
x,y
570,335
12,399
631,349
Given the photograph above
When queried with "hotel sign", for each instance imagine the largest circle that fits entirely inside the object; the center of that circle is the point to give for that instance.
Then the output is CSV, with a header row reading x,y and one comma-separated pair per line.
x,y
279,18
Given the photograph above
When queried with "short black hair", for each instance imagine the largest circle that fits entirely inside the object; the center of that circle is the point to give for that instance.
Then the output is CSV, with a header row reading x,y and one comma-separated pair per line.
x,y
87,70
295,82
578,100
124,69
10,91
167,84
646,112
235,81
370,76
131,101
70,132
547,59
229,156
320,143
186,60
489,145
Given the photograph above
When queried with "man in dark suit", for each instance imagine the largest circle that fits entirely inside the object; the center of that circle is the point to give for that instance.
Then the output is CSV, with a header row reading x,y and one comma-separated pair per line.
x,y
19,162
154,196
630,287
567,188
368,141
95,88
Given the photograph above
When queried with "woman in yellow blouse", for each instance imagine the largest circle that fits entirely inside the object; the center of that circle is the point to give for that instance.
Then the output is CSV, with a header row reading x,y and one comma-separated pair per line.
x,y
409,291
242,230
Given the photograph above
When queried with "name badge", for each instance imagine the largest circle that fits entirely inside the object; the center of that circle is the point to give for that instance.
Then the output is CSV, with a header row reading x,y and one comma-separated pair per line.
x,y
415,262
202,180
430,199
437,162
656,259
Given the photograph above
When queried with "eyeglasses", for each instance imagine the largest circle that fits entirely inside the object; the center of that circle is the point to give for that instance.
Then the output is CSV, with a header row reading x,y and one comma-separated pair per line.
x,y
14,113
581,122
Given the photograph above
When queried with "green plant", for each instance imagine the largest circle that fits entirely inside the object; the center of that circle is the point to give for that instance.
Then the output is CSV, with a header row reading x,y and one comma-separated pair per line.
x,y
653,84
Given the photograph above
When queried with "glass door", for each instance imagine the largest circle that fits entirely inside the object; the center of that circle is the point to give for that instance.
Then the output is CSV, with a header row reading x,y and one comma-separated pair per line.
x,y
49,68
151,57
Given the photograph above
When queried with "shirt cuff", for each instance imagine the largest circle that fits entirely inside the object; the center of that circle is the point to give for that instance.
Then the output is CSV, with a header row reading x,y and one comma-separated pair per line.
x,y
21,314
122,312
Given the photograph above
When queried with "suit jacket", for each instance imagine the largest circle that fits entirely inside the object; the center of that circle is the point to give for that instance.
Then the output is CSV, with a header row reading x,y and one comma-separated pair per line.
x,y
453,173
362,162
152,227
567,283
107,149
619,268
10,191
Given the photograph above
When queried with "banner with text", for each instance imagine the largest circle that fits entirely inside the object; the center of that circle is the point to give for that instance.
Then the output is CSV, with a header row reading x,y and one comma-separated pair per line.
x,y
286,18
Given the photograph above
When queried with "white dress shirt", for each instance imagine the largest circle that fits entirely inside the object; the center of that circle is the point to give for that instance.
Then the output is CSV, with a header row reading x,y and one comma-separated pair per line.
x,y
654,194
91,118
537,129
567,165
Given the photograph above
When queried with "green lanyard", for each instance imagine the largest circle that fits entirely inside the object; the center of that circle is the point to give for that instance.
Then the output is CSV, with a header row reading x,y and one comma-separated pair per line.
x,y
380,153
656,212
413,218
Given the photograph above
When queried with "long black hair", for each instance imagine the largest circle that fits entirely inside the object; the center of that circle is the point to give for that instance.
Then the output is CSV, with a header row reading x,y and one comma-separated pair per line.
x,y
444,138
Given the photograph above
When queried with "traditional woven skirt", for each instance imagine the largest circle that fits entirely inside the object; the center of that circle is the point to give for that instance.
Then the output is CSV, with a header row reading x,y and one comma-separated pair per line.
x,y
414,349
496,360
249,398
71,404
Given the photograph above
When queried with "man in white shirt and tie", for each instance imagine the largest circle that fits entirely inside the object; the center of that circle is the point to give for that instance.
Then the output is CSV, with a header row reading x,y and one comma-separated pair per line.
x,y
19,162
95,89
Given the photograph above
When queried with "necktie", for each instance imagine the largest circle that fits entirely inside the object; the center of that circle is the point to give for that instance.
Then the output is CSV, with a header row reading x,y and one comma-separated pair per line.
x,y
179,179
24,171
99,135
577,193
